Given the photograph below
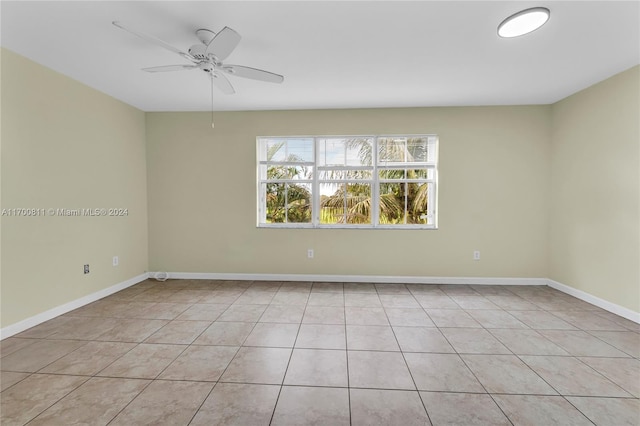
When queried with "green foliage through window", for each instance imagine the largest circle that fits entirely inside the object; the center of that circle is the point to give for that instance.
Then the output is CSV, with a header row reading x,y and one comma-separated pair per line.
x,y
363,181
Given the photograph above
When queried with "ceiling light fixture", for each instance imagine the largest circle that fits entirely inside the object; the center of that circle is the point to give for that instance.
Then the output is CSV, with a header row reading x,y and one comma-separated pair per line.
x,y
523,22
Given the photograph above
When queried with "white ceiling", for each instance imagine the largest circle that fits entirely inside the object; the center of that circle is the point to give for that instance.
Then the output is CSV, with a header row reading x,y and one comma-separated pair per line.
x,y
361,54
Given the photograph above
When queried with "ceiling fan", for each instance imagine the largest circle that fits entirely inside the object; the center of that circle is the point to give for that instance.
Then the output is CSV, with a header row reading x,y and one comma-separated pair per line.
x,y
208,56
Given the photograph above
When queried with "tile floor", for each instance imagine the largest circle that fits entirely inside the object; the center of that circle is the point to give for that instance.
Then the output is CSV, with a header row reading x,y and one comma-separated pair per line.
x,y
251,353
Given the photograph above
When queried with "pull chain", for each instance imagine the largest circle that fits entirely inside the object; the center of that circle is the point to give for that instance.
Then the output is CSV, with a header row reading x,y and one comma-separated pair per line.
x,y
212,77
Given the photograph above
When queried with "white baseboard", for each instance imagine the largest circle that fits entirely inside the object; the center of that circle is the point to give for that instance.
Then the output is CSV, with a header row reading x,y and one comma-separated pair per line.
x,y
596,301
355,278
18,327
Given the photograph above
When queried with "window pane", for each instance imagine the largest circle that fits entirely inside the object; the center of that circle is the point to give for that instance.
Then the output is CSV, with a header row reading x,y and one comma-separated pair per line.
x,y
332,203
420,173
417,150
288,172
299,203
417,203
391,210
345,174
275,200
392,174
345,152
392,150
300,150
358,200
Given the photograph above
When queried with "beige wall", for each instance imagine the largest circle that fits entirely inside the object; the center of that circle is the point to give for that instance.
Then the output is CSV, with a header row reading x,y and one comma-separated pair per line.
x,y
494,169
595,190
65,145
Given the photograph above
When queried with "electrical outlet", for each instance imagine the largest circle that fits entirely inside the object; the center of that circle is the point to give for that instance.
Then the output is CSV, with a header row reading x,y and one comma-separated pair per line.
x,y
116,261
86,268
310,253
476,255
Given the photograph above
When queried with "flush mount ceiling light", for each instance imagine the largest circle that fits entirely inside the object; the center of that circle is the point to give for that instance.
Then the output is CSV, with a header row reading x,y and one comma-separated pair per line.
x,y
523,22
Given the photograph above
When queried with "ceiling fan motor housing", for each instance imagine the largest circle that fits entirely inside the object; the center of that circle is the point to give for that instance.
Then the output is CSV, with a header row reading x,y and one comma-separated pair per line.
x,y
198,51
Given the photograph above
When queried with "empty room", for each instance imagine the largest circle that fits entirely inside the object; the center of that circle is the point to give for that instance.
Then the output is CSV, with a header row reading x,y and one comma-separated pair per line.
x,y
320,213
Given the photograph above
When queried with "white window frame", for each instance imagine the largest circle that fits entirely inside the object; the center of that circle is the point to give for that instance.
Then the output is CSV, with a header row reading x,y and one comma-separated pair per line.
x,y
432,215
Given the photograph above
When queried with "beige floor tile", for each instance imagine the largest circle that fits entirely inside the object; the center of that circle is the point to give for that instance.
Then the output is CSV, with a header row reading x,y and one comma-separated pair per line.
x,y
362,300
380,370
581,343
32,358
586,320
463,409
470,302
9,378
225,333
408,317
527,342
391,288
221,297
255,298
436,301
89,359
145,361
623,372
312,406
327,287
323,315
506,374
452,318
474,341
609,411
179,332
200,363
421,339
541,320
359,288
273,335
290,298
570,376
97,401
187,296
495,319
387,407
243,313
320,336
512,302
12,344
40,331
441,372
84,328
540,410
626,341
365,316
371,337
159,310
458,290
283,314
238,404
258,365
317,367
132,330
25,400
326,299
299,286
203,312
398,301
164,402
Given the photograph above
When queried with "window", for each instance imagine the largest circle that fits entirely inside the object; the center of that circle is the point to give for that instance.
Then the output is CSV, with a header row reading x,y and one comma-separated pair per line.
x,y
347,181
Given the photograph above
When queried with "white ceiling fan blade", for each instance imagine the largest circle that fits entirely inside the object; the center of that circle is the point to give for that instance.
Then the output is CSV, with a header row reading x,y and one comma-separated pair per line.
x,y
156,41
223,84
223,43
166,68
253,73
